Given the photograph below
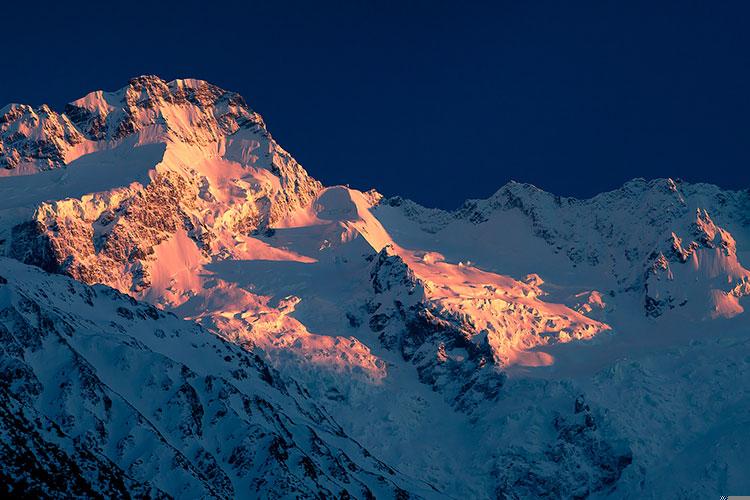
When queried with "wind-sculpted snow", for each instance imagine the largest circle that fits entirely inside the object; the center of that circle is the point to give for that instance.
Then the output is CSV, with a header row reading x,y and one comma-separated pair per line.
x,y
511,348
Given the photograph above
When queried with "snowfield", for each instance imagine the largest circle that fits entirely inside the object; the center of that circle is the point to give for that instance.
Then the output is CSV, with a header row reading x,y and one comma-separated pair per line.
x,y
227,326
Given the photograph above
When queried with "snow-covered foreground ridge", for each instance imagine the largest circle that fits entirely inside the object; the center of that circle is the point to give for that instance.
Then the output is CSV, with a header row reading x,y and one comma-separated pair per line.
x,y
523,345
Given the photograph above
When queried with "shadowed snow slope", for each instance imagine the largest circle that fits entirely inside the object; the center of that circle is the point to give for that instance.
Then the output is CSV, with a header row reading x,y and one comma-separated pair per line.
x,y
107,384
521,346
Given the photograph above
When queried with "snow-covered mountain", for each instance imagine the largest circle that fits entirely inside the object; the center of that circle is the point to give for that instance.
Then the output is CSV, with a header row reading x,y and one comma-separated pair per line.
x,y
521,346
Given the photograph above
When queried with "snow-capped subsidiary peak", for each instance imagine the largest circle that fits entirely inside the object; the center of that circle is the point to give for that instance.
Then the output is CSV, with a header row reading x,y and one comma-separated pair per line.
x,y
615,235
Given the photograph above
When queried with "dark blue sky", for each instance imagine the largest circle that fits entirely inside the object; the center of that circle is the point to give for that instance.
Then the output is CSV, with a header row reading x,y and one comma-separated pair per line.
x,y
435,101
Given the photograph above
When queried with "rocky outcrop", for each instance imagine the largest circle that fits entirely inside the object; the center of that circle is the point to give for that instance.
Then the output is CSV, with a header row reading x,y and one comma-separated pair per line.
x,y
40,460
37,139
149,101
700,270
579,462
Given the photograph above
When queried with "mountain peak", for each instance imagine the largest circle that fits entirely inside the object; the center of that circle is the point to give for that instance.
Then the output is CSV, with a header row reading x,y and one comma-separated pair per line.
x,y
184,110
181,105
